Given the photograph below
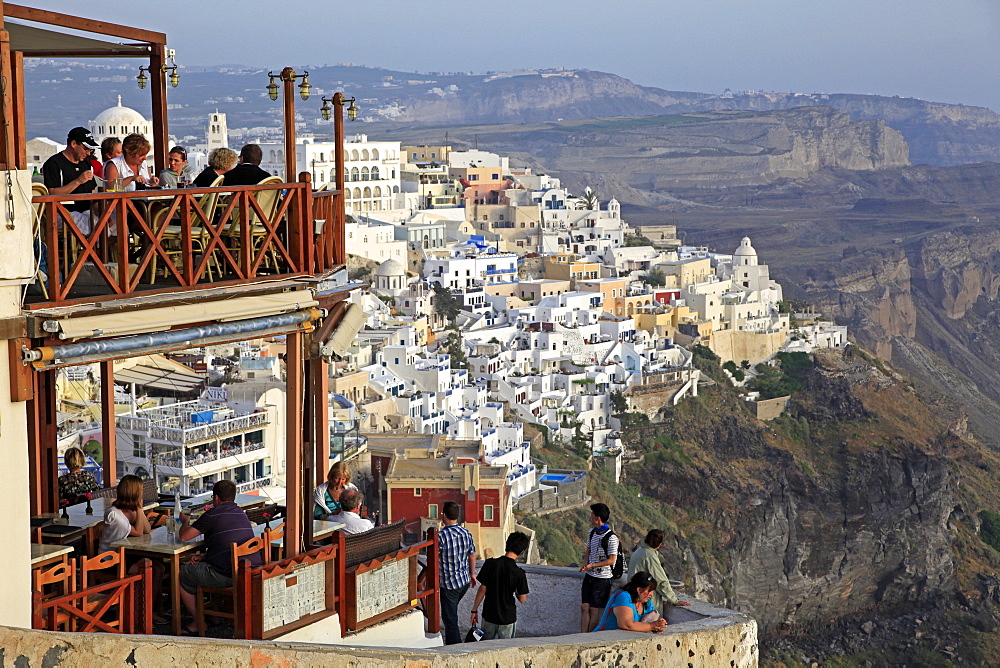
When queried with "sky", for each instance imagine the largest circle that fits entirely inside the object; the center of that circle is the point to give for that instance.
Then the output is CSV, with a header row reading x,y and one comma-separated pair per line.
x,y
940,50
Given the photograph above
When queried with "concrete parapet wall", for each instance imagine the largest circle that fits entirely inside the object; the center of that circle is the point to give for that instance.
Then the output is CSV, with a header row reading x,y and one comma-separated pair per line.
x,y
550,498
727,642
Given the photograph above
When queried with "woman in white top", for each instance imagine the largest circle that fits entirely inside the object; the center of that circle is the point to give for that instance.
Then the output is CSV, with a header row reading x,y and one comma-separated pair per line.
x,y
125,517
327,496
130,166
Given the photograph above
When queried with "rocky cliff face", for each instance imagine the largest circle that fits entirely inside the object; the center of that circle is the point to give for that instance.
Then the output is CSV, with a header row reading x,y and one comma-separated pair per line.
x,y
852,506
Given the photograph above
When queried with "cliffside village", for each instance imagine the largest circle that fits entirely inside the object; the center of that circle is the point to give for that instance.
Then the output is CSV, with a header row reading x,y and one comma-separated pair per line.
x,y
484,297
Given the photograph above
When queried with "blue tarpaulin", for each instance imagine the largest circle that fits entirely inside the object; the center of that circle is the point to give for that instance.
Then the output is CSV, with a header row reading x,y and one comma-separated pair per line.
x,y
204,417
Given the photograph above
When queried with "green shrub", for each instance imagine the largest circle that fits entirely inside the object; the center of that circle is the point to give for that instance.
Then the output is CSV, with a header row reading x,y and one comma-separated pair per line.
x,y
989,529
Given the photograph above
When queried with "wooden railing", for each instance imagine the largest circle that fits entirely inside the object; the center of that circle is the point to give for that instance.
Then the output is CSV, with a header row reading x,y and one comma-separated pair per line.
x,y
119,606
248,234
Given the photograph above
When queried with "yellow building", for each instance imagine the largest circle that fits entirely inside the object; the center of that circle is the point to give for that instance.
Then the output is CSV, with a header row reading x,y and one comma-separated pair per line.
x,y
425,153
569,267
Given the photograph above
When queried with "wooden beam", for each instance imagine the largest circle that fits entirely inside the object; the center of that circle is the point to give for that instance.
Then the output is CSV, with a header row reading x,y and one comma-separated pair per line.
x,y
110,449
158,97
22,384
34,448
20,150
288,102
294,512
321,392
7,111
43,460
79,23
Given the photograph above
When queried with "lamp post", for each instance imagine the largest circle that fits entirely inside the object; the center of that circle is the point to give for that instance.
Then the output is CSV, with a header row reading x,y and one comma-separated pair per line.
x,y
288,77
338,101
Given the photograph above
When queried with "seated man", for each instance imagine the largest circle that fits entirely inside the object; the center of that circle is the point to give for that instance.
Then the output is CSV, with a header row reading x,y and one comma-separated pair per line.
x,y
69,172
223,525
248,172
350,501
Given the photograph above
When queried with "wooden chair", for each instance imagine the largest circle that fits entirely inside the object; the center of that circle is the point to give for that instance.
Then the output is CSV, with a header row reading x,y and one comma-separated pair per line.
x,y
256,515
209,205
268,201
112,561
230,596
50,583
276,552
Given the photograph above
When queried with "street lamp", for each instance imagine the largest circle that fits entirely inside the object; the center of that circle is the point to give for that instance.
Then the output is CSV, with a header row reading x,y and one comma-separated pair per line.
x,y
288,78
174,77
340,100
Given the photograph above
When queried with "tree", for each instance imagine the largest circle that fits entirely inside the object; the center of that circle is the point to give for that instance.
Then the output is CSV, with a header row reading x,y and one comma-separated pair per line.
x,y
445,304
456,350
656,278
745,364
619,404
590,200
636,240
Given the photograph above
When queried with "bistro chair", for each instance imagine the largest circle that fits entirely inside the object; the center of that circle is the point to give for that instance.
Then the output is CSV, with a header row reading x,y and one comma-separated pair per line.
x,y
256,515
209,205
228,597
268,200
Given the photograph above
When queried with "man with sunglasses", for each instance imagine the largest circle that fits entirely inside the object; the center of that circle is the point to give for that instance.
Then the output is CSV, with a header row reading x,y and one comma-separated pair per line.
x,y
69,172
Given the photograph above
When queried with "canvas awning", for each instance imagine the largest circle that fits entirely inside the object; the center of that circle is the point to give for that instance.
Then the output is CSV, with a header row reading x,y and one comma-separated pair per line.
x,y
175,379
162,319
41,41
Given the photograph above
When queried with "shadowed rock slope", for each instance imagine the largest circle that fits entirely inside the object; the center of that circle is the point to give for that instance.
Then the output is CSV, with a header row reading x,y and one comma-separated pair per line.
x,y
855,510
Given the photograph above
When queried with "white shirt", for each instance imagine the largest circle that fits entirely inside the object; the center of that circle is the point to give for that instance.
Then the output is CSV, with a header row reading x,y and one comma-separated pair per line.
x,y
124,171
116,527
353,523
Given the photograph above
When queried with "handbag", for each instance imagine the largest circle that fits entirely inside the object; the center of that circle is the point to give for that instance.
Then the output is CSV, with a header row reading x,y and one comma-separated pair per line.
x,y
475,634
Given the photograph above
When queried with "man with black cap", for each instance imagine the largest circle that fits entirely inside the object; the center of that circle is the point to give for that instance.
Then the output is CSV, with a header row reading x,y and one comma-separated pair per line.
x,y
69,173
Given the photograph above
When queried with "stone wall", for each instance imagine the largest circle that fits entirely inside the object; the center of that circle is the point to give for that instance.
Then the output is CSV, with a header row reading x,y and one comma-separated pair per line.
x,y
550,498
768,409
738,346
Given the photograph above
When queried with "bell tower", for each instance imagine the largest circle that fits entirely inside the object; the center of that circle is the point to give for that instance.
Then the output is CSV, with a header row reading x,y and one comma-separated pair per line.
x,y
218,131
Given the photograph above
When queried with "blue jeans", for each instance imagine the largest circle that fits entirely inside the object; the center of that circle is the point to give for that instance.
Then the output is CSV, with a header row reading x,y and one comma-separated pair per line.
x,y
493,631
449,613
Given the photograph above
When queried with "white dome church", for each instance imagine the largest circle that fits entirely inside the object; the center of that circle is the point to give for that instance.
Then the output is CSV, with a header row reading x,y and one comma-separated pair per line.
x,y
119,121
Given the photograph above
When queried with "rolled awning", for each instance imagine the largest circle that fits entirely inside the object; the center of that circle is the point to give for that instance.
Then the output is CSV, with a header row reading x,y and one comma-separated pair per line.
x,y
347,329
162,319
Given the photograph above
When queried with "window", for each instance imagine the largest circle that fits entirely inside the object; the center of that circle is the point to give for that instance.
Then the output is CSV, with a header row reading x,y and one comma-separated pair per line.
x,y
432,511
473,177
496,177
417,491
488,513
139,445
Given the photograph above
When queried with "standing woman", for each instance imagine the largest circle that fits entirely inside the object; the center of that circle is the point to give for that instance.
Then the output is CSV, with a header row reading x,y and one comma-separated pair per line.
x,y
327,495
75,484
130,166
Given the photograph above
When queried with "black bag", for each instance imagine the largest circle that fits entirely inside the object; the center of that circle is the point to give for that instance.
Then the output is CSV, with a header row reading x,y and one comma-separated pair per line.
x,y
621,563
475,634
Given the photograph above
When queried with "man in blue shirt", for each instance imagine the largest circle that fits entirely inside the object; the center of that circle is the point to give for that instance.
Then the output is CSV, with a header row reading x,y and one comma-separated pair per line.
x,y
457,552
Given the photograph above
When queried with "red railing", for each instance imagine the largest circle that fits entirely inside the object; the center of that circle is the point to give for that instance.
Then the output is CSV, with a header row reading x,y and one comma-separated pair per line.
x,y
195,236
119,606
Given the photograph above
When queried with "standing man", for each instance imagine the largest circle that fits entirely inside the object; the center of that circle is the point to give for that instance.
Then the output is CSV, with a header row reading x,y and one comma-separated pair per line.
x,y
69,172
501,580
248,172
224,524
597,563
647,558
457,552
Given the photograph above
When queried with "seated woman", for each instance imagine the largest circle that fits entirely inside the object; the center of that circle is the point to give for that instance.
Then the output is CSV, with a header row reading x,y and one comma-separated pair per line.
x,y
623,610
178,170
130,166
220,161
125,517
77,483
327,496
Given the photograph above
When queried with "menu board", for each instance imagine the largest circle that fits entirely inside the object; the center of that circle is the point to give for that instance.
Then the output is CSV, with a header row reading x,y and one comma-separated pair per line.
x,y
294,595
382,589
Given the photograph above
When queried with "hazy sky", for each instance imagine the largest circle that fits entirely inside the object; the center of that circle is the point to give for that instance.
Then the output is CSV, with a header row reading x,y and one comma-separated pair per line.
x,y
942,50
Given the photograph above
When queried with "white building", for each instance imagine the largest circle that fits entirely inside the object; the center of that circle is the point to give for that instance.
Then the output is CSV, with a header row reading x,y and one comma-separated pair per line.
x,y
119,121
375,241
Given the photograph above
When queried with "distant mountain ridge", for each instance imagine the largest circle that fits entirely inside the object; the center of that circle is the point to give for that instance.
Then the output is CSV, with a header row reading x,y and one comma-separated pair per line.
x,y
937,134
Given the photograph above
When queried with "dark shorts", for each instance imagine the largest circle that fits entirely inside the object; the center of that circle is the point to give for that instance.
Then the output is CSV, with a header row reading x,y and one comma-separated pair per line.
x,y
596,591
202,574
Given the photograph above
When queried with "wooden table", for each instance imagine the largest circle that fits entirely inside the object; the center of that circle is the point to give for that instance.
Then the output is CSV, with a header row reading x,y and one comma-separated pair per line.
x,y
43,555
159,544
78,517
242,500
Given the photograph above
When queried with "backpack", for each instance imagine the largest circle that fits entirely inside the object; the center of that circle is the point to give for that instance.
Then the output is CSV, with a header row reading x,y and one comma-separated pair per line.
x,y
621,563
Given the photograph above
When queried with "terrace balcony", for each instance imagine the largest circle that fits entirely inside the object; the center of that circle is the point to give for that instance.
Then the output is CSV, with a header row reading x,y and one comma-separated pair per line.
x,y
165,241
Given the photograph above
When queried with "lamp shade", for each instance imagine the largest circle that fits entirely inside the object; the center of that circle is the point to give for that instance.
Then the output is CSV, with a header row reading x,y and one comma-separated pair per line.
x,y
141,79
272,89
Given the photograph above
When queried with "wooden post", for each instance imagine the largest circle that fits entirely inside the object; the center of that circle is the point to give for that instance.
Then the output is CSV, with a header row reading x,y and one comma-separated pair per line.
x,y
288,99
8,120
339,222
42,438
341,539
433,600
110,450
20,148
158,98
294,513
35,447
146,571
311,408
